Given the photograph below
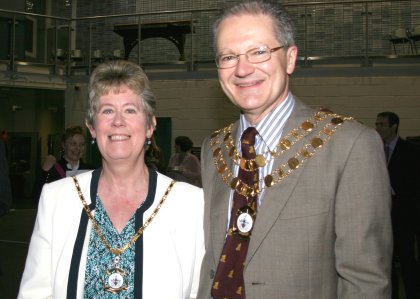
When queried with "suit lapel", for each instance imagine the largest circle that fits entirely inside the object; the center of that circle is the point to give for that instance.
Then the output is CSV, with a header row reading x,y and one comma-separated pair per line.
x,y
395,156
276,197
219,207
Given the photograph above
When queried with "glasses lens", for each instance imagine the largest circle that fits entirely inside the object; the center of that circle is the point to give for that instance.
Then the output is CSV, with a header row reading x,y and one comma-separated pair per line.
x,y
255,55
226,60
259,54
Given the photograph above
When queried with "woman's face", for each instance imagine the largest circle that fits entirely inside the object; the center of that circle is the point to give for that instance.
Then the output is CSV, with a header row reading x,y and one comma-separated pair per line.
x,y
120,126
74,148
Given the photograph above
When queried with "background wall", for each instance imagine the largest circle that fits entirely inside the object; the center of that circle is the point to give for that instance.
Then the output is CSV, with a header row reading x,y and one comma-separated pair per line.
x,y
364,97
198,107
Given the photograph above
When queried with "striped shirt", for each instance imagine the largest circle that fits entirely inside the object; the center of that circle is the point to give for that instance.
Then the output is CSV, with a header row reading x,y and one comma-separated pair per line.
x,y
270,130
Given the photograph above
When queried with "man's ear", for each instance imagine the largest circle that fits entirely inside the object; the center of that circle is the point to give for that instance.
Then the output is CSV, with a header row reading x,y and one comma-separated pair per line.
x,y
291,56
394,127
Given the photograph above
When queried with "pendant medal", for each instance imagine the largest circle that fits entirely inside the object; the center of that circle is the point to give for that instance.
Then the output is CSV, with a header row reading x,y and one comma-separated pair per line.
x,y
115,278
244,221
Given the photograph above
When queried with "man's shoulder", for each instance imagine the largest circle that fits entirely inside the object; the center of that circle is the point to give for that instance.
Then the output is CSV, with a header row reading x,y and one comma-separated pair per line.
x,y
408,146
325,119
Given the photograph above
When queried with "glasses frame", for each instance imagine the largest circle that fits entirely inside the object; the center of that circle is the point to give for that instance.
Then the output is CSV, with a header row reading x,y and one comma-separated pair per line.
x,y
246,55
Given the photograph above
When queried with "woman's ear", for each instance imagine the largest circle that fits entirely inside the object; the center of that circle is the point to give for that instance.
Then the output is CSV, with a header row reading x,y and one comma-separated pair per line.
x,y
91,130
151,128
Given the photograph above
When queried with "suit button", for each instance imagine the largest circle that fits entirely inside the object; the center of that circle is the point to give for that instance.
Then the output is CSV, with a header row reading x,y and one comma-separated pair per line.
x,y
211,273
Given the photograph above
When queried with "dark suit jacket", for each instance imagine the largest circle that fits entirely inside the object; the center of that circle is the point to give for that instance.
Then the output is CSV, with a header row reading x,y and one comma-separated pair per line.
x,y
5,188
404,172
322,233
53,175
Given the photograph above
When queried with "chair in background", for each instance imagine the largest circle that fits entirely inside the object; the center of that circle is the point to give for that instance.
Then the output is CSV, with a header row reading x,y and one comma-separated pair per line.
x,y
400,36
76,55
116,54
97,56
414,37
60,54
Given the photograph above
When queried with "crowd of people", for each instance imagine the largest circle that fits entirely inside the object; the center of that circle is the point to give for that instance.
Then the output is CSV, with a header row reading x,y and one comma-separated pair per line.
x,y
285,202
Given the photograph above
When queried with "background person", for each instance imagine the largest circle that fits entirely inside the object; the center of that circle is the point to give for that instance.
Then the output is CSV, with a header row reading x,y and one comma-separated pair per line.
x,y
73,144
154,156
183,165
126,231
297,201
5,188
403,160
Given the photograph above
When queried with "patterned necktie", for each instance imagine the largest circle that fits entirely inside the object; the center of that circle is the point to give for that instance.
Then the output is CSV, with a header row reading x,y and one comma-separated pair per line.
x,y
229,279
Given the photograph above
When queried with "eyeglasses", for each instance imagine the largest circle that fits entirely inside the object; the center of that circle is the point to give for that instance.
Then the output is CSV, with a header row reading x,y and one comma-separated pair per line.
x,y
255,55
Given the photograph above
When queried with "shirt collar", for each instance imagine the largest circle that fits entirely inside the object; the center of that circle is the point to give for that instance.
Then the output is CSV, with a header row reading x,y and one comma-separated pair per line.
x,y
393,142
75,167
271,126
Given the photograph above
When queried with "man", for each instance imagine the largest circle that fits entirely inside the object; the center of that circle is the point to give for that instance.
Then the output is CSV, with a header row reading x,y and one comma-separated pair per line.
x,y
404,171
297,201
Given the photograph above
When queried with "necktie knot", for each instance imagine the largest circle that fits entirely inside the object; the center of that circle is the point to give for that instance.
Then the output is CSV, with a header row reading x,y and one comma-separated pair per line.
x,y
247,143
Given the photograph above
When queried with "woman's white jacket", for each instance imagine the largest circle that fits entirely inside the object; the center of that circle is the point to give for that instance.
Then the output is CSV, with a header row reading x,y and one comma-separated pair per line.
x,y
172,251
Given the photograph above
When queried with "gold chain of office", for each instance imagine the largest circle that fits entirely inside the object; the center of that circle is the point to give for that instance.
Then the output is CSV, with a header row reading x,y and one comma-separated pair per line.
x,y
222,145
118,251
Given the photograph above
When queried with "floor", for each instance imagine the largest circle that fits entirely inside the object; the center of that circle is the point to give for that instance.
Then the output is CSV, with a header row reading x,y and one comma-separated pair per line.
x,y
15,231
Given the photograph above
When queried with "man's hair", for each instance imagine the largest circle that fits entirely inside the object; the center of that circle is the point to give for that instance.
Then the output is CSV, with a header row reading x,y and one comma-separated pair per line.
x,y
392,117
283,23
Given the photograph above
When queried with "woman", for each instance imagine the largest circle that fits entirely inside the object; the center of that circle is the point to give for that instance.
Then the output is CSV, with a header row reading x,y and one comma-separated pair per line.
x,y
184,166
123,230
73,144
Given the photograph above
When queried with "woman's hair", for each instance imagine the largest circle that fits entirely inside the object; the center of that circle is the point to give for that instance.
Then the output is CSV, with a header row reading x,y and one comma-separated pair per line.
x,y
111,76
283,23
184,143
71,131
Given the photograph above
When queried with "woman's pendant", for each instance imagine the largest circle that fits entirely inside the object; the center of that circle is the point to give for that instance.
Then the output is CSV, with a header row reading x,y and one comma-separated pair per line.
x,y
115,279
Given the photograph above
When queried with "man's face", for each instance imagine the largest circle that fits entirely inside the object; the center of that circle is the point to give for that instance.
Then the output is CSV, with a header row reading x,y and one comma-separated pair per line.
x,y
256,88
384,129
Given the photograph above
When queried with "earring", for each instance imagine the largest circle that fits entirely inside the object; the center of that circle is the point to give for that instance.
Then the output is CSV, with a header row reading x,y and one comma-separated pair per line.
x,y
93,141
148,141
